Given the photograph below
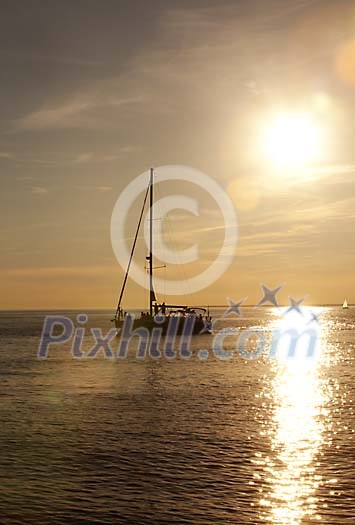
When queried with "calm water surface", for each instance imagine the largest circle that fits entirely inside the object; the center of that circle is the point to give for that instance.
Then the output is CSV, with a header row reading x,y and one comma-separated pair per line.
x,y
182,441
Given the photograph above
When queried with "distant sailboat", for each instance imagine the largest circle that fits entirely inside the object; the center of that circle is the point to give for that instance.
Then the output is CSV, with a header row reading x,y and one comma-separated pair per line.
x,y
345,304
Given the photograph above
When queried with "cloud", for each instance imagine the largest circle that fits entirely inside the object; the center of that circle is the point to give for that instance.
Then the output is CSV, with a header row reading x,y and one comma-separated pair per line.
x,y
54,116
90,157
331,170
50,160
25,178
82,158
60,271
76,111
42,57
39,190
100,189
5,155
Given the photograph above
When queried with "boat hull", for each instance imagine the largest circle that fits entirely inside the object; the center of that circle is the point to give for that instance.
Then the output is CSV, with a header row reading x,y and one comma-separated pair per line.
x,y
169,325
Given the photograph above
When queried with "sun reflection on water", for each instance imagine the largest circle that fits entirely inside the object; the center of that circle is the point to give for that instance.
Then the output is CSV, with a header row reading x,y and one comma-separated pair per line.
x,y
299,400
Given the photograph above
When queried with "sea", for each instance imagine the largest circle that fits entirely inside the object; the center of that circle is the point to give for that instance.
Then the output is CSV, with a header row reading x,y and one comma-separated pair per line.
x,y
231,433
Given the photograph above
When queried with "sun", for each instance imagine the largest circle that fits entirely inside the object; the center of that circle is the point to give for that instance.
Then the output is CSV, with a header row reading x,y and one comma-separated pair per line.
x,y
291,140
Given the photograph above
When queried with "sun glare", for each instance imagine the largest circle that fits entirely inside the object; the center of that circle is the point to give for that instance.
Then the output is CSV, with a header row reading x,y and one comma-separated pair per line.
x,y
292,140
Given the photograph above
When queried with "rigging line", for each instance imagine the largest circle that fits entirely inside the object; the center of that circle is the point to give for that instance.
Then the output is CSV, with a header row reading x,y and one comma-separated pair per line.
x,y
161,214
132,252
180,267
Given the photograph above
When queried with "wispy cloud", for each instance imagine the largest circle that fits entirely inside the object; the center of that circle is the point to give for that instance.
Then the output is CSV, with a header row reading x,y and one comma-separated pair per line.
x,y
25,178
56,116
6,155
77,111
82,158
91,157
57,160
42,57
39,190
331,169
100,189
60,271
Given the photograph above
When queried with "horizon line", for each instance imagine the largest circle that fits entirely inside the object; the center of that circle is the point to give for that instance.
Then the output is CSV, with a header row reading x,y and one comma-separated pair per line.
x,y
92,309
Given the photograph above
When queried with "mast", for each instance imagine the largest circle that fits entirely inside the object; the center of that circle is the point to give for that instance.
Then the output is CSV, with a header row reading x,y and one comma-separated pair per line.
x,y
151,293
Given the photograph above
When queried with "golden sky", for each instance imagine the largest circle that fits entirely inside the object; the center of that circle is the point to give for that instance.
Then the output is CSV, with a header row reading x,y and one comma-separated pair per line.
x,y
93,96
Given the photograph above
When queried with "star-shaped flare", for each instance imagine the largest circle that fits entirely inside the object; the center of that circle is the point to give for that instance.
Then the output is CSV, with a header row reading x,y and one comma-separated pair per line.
x,y
234,307
295,305
269,295
314,318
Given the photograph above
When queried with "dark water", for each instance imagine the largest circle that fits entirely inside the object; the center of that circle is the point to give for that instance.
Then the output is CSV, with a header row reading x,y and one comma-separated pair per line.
x,y
182,441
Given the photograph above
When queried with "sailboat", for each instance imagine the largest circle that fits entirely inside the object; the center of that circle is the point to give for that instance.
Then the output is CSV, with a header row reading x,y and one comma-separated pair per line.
x,y
345,305
170,318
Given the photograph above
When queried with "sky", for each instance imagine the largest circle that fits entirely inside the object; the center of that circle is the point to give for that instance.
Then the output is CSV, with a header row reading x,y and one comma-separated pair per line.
x,y
94,93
